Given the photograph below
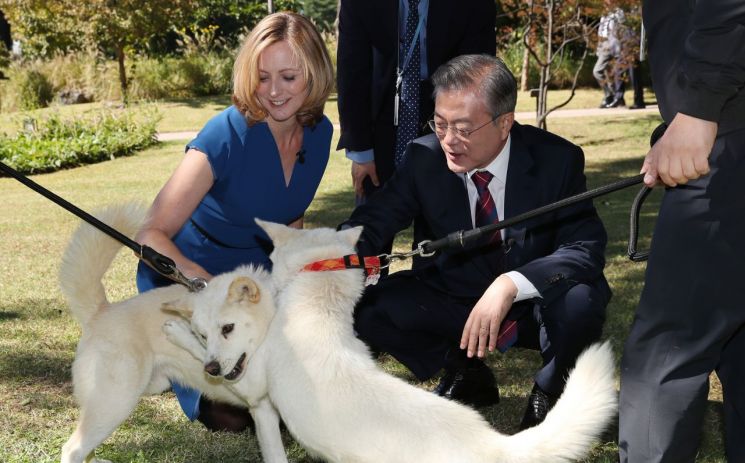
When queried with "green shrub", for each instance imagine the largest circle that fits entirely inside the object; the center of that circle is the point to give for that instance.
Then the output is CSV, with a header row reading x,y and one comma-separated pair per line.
x,y
182,77
35,91
55,143
83,72
34,83
87,72
152,79
562,72
208,74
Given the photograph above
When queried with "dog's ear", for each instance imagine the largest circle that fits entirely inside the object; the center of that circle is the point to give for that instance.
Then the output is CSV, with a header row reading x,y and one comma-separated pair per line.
x,y
351,235
179,307
242,290
278,233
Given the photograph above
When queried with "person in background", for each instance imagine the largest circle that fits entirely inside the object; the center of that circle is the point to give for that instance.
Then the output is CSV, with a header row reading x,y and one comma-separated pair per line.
x,y
609,67
636,50
690,320
273,142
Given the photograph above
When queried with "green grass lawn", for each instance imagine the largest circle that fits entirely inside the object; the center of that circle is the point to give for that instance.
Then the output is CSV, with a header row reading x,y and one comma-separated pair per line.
x,y
38,336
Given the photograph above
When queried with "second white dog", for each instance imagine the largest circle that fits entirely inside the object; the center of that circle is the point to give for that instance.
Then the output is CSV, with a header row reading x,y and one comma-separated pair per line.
x,y
123,352
342,407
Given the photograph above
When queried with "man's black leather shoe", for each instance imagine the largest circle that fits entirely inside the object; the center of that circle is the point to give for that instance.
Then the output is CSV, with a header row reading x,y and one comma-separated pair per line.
x,y
638,106
616,103
539,404
473,385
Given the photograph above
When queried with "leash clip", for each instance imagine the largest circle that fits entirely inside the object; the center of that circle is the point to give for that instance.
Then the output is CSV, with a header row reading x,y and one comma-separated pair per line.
x,y
194,284
387,259
167,267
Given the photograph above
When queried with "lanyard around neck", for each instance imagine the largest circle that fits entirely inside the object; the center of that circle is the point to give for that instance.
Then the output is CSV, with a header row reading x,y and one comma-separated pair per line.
x,y
410,51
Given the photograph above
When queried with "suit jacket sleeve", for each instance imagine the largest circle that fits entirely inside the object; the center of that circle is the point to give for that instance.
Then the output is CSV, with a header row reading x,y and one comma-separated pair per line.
x,y
579,240
354,76
389,211
713,64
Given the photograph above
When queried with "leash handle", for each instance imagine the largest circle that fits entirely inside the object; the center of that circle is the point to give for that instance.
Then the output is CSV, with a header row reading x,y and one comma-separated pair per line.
x,y
634,255
162,264
458,240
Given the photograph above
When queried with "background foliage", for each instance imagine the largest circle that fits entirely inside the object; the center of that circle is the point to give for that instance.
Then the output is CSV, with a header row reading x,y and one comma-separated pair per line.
x,y
187,51
54,142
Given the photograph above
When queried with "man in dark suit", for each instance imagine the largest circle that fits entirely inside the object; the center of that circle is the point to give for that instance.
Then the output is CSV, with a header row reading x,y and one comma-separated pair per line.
x,y
691,316
543,277
370,52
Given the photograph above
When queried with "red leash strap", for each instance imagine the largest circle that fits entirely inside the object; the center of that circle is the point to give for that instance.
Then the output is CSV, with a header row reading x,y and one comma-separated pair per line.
x,y
371,266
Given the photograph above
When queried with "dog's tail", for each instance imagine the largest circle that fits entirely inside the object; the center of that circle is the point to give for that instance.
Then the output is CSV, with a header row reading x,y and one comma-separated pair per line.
x,y
580,416
90,254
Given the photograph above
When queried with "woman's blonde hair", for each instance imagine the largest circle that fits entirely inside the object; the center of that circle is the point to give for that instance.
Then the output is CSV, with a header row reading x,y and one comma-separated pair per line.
x,y
307,46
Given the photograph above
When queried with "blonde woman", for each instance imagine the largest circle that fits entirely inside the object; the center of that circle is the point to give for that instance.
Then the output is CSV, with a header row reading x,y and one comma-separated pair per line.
x,y
262,158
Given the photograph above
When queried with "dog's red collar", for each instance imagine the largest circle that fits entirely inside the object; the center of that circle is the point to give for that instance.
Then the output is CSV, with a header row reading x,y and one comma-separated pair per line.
x,y
371,266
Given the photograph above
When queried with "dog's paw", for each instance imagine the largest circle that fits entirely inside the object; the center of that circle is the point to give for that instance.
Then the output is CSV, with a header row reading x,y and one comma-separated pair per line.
x,y
175,329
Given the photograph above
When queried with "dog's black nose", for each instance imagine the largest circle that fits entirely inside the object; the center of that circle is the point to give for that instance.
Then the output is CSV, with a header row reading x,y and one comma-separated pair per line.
x,y
212,368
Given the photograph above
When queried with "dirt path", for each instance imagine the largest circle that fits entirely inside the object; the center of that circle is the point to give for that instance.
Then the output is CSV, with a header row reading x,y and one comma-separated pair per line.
x,y
525,116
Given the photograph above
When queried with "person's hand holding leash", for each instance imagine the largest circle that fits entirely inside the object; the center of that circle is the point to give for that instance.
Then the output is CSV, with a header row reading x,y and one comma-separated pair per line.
x,y
486,316
359,172
682,153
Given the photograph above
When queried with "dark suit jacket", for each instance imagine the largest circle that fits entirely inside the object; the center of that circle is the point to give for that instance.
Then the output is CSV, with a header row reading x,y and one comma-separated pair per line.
x,y
366,65
697,58
554,251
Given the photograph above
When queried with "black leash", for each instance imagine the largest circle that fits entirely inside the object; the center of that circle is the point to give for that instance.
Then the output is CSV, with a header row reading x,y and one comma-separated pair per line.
x,y
459,239
456,240
162,264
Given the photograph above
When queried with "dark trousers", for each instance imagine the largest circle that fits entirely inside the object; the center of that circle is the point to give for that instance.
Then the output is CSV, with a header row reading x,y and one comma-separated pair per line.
x,y
637,82
691,318
418,325
609,74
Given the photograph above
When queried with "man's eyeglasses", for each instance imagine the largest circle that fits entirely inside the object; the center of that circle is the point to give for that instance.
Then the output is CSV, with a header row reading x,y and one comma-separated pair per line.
x,y
462,134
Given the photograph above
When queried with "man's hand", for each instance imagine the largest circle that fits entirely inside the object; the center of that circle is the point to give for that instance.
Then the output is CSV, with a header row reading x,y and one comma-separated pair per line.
x,y
359,172
682,153
483,323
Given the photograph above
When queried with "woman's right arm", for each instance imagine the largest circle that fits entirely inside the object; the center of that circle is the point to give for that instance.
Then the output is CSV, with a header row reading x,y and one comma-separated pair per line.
x,y
173,206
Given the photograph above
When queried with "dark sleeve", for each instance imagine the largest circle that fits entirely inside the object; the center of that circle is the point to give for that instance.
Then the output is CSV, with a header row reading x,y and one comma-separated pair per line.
x,y
481,36
390,210
353,79
713,62
579,240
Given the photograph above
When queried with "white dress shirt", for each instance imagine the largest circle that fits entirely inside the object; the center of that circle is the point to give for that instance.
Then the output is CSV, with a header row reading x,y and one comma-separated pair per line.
x,y
498,168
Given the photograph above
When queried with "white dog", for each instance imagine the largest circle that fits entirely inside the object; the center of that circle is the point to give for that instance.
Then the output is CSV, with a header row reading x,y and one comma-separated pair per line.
x,y
342,407
123,352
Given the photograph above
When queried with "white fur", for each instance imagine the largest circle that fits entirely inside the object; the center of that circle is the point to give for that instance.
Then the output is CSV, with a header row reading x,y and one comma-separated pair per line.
x,y
342,407
123,352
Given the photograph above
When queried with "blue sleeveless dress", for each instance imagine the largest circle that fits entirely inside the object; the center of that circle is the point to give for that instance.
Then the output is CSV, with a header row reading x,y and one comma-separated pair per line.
x,y
249,183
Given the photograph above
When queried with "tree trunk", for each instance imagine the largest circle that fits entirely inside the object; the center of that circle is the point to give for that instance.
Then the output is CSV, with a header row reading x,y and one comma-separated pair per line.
x,y
540,115
122,73
525,70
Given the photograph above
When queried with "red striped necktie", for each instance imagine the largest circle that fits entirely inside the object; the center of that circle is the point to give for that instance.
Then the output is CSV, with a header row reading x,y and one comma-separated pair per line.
x,y
485,214
486,208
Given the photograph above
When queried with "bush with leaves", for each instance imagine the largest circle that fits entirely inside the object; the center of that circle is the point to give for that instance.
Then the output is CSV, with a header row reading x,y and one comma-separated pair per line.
x,y
34,90
55,143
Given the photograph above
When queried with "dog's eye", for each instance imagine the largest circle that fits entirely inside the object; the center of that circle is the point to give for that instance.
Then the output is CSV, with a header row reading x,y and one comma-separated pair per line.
x,y
227,329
